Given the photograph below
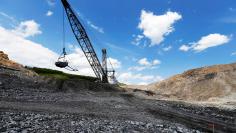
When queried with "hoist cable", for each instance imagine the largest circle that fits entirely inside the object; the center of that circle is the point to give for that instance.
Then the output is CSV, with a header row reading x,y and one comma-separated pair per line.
x,y
70,68
63,30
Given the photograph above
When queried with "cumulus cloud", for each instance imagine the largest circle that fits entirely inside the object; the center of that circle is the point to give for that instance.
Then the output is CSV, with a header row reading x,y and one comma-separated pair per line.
x,y
137,40
27,29
114,62
31,53
145,64
49,13
185,48
156,62
211,40
138,79
25,51
157,27
137,68
99,29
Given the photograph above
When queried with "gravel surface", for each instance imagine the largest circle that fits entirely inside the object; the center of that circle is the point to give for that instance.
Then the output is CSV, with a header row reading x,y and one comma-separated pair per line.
x,y
225,115
19,121
38,105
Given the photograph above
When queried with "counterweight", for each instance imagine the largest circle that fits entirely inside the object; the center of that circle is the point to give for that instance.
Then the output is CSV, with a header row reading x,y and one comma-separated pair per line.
x,y
84,42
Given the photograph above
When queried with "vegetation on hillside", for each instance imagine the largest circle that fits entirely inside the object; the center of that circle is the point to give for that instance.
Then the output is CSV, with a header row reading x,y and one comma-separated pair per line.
x,y
121,84
60,74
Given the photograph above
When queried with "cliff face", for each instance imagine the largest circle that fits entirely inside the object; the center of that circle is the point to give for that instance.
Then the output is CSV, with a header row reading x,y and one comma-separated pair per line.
x,y
200,84
6,62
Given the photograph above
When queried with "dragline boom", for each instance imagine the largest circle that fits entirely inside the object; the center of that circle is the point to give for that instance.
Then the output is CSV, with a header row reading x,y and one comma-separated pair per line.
x,y
84,42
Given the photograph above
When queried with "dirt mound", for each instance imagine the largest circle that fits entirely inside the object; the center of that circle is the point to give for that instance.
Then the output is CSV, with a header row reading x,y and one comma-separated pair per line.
x,y
202,84
7,63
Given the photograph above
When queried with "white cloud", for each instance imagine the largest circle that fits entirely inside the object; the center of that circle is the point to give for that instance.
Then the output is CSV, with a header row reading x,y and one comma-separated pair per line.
x,y
185,48
51,2
137,40
30,53
114,62
99,29
156,27
137,68
25,51
130,78
168,48
156,62
211,40
27,28
49,13
145,64
77,58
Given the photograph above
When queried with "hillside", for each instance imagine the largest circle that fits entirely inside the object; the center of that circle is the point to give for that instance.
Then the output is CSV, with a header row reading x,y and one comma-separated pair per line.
x,y
203,84
5,62
207,86
59,74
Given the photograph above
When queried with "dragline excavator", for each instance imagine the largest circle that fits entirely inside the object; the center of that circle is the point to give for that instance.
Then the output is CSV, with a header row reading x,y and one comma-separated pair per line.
x,y
81,36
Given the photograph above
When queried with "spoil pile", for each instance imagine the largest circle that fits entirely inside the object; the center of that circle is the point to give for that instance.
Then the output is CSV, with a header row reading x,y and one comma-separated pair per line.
x,y
201,84
5,62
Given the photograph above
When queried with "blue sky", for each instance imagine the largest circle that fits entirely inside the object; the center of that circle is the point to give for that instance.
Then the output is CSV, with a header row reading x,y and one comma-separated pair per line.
x,y
146,40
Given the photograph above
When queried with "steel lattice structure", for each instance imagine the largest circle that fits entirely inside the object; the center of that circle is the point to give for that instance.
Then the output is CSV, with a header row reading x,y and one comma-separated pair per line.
x,y
84,42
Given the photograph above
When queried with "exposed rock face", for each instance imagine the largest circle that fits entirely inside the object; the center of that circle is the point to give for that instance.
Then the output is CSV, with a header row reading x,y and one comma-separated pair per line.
x,y
5,62
3,56
200,84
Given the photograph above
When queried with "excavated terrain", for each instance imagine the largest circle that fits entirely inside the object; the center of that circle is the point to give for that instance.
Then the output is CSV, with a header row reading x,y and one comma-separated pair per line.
x,y
207,86
33,103
213,83
42,104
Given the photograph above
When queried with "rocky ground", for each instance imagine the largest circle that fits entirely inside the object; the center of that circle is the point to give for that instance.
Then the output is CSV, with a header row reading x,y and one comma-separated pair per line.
x,y
25,121
211,86
39,104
